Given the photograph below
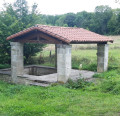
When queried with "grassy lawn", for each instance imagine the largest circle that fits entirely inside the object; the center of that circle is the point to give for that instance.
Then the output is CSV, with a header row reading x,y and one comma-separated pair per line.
x,y
18,100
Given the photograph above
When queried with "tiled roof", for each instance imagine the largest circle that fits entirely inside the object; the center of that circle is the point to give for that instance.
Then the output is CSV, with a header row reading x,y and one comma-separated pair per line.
x,y
66,34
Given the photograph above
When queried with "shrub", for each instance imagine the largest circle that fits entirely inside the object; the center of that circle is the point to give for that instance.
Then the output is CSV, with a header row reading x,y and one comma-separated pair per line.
x,y
79,84
110,86
110,81
107,85
87,64
3,66
113,62
90,67
41,59
32,60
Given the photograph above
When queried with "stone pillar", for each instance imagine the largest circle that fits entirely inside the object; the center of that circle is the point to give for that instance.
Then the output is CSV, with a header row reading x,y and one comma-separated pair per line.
x,y
17,67
102,57
63,62
56,56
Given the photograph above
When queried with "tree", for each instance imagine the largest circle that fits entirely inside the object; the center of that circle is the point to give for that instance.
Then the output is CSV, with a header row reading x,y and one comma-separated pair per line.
x,y
60,21
102,16
70,19
14,19
84,19
112,25
118,25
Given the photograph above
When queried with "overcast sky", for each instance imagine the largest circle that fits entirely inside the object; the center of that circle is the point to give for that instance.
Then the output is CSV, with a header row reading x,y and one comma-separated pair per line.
x,y
54,7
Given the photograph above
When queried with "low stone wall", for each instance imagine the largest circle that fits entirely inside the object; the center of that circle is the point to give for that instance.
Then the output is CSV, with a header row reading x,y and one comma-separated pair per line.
x,y
39,70
5,74
5,77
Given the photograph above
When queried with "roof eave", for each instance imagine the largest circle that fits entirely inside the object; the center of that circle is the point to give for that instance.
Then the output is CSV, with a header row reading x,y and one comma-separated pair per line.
x,y
39,29
90,42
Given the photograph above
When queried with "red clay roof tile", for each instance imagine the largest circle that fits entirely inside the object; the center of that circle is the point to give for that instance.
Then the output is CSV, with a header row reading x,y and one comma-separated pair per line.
x,y
66,34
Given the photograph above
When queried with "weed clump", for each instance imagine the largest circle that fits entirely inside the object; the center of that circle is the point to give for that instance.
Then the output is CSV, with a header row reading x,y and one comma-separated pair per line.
x,y
79,84
109,81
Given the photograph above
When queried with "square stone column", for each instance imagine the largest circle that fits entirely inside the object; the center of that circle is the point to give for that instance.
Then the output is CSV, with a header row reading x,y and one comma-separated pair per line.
x,y
102,57
17,66
56,56
63,62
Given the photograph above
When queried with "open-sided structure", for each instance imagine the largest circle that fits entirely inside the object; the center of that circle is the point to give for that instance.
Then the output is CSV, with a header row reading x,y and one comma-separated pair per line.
x,y
62,37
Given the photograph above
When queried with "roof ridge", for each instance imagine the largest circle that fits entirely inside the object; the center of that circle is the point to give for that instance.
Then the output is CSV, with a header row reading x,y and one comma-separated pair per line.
x,y
38,25
52,32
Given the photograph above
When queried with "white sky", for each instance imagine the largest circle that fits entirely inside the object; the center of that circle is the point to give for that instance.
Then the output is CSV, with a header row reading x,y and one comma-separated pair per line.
x,y
54,7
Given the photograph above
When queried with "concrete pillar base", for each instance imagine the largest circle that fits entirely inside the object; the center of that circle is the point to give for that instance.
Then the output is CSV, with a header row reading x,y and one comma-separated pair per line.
x,y
102,58
63,62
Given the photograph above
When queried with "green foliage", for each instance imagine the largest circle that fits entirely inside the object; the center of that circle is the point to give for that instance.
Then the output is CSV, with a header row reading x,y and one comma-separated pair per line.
x,y
111,85
70,19
113,62
76,61
84,19
31,50
79,84
112,25
108,74
110,81
3,66
14,19
102,16
103,21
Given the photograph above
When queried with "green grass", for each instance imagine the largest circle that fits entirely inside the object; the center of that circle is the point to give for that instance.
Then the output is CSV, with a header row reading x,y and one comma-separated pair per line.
x,y
109,81
19,100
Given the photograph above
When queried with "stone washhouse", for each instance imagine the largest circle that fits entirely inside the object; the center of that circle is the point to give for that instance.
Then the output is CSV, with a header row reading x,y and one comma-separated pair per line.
x,y
63,38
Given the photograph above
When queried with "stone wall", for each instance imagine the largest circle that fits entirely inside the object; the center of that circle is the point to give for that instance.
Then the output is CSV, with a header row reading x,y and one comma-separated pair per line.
x,y
39,71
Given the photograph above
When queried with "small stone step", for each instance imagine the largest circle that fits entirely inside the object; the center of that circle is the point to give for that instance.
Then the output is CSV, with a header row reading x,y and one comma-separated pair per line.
x,y
41,81
40,84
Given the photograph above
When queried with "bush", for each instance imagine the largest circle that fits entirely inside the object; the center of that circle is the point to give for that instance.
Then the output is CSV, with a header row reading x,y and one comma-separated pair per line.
x,y
41,59
110,81
110,86
107,85
79,84
76,61
3,66
90,67
32,60
113,62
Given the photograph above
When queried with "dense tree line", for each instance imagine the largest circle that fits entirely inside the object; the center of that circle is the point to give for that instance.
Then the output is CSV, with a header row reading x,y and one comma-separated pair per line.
x,y
17,17
103,20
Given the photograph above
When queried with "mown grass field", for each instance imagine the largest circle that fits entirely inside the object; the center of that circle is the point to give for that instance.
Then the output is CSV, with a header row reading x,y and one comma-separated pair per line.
x,y
74,98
